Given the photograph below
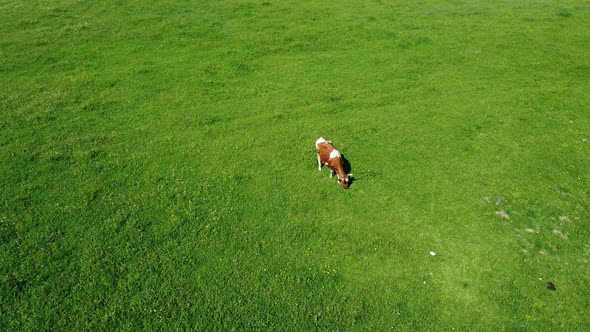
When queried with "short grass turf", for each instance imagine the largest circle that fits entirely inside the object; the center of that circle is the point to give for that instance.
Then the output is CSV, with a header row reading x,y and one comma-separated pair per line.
x,y
158,168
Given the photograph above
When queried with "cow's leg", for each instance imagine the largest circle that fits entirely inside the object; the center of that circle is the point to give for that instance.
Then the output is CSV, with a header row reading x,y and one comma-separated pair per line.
x,y
331,173
319,163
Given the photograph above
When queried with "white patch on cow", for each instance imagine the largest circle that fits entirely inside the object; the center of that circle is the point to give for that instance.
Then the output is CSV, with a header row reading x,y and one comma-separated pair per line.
x,y
334,154
319,141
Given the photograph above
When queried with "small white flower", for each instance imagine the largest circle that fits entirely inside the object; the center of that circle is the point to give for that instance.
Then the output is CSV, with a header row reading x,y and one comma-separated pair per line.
x,y
502,214
432,253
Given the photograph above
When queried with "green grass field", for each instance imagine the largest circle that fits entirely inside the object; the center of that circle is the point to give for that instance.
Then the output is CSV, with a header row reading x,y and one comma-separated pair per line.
x,y
158,169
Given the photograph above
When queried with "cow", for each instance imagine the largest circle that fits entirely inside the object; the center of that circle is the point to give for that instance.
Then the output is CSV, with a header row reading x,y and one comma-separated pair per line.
x,y
328,155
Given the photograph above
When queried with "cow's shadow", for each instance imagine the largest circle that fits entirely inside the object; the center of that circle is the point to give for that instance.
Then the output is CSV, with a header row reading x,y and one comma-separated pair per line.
x,y
347,168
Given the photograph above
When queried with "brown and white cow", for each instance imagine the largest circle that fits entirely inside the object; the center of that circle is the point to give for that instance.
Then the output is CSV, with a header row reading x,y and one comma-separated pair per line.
x,y
328,155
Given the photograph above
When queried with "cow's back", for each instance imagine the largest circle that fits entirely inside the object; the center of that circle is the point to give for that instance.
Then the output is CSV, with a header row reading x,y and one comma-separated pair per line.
x,y
324,150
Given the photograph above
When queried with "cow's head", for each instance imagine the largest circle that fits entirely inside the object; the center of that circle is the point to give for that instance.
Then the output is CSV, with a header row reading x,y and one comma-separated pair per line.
x,y
345,182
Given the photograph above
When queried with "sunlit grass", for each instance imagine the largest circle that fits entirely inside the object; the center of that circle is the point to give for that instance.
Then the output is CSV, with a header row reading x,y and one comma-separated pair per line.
x,y
158,166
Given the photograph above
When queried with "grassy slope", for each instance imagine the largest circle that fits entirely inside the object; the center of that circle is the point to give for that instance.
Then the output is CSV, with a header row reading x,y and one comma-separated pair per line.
x,y
158,167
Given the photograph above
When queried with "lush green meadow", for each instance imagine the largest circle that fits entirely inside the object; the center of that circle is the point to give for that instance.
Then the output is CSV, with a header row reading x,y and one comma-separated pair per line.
x,y
157,165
